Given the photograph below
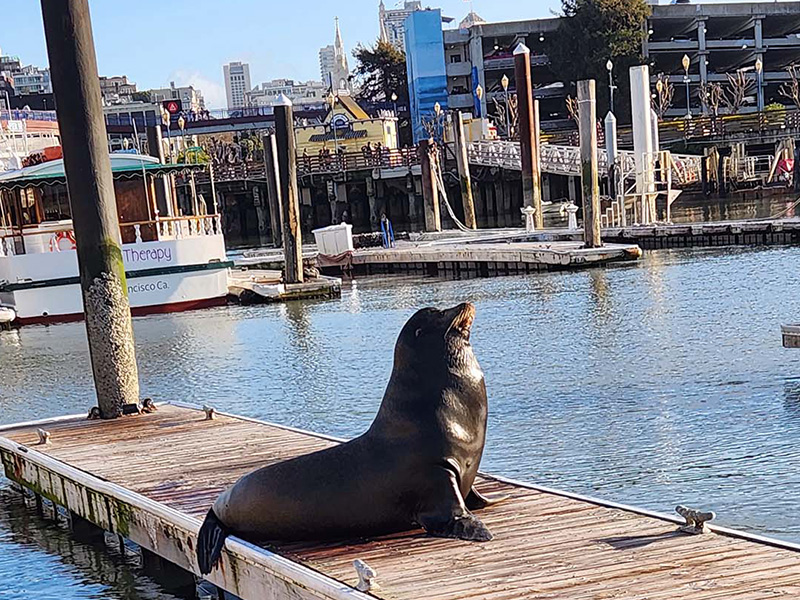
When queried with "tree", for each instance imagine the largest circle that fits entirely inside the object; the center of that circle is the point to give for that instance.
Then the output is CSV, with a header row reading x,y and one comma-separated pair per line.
x,y
141,97
603,30
739,87
791,91
381,74
662,99
381,71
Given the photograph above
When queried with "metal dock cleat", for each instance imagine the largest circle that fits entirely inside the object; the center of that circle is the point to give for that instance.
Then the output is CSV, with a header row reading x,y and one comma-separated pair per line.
x,y
366,576
695,520
44,437
210,412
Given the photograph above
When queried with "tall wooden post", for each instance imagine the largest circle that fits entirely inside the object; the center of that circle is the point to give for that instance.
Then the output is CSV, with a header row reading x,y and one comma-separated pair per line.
x,y
537,167
587,112
273,190
430,191
462,159
531,182
287,174
73,68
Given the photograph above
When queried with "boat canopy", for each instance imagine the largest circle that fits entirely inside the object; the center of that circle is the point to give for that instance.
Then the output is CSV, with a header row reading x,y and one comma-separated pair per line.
x,y
123,166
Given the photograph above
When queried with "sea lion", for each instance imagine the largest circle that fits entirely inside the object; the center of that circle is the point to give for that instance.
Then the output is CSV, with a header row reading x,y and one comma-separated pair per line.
x,y
415,466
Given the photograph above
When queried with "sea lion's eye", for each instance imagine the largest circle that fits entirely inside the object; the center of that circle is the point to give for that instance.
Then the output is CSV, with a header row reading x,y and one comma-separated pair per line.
x,y
418,333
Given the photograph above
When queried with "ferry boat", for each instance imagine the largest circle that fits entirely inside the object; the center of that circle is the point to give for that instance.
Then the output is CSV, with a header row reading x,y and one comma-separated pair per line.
x,y
173,261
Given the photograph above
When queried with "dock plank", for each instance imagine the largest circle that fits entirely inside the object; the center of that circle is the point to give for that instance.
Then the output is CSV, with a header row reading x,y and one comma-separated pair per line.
x,y
546,545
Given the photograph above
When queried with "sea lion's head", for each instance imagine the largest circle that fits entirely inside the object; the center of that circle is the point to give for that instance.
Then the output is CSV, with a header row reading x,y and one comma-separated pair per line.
x,y
438,340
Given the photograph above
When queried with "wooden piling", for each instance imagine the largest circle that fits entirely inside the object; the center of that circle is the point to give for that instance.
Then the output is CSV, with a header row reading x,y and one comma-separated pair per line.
x,y
537,167
531,184
273,190
287,172
430,191
587,110
73,68
462,159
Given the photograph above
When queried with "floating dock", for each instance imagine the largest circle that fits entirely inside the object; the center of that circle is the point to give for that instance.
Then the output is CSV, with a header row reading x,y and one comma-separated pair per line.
x,y
250,286
152,478
487,254
724,233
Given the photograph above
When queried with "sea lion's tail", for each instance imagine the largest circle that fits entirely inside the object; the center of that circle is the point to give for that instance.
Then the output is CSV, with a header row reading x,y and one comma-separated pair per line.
x,y
210,542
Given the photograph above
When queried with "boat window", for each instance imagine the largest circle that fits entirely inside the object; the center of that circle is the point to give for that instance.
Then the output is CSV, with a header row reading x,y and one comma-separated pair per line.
x,y
55,203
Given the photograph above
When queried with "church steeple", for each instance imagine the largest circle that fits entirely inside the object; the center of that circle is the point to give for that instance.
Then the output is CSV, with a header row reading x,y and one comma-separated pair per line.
x,y
338,44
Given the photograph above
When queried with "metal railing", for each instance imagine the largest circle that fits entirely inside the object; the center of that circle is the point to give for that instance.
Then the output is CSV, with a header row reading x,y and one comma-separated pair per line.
x,y
27,115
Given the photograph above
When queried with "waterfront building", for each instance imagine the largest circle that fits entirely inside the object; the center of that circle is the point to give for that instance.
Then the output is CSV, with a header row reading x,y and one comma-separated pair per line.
x,y
425,64
191,98
334,70
301,93
393,22
720,39
347,128
237,83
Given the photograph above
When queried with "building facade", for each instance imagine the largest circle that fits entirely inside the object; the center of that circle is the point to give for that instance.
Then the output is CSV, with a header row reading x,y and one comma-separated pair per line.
x,y
190,97
722,39
301,93
32,80
116,89
393,22
334,70
425,64
237,83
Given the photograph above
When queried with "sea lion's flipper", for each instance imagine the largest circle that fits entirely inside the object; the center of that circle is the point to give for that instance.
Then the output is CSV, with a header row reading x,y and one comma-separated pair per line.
x,y
210,542
446,514
476,501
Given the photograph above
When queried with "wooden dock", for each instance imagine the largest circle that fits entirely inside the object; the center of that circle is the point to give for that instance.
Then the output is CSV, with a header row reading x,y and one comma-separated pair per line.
x,y
152,478
254,286
488,254
764,232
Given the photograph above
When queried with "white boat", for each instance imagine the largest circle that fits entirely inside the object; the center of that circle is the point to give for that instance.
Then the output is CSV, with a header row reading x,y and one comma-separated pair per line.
x,y
173,262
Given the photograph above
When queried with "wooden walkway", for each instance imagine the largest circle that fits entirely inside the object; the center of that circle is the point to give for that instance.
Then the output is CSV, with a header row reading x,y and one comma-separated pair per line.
x,y
152,478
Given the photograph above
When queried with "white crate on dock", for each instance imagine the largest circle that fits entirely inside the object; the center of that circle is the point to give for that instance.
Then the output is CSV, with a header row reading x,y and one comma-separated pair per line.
x,y
334,239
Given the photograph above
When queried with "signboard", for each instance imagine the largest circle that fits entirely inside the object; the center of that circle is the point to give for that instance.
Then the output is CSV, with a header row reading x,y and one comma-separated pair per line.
x,y
15,126
173,107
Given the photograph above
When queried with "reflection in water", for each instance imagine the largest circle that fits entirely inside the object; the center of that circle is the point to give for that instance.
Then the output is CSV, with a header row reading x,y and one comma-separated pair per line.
x,y
655,384
734,207
29,544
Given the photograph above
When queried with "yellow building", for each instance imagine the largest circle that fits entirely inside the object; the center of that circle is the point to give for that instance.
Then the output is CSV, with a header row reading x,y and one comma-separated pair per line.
x,y
346,127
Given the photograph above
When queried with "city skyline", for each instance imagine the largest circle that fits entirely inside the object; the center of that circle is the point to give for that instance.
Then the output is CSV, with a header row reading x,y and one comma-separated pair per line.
x,y
129,42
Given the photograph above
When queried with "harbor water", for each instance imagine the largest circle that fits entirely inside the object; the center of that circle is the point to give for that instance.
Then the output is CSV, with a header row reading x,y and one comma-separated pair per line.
x,y
655,384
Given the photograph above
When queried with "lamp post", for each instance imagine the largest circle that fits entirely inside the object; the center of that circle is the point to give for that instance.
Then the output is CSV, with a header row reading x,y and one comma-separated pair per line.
x,y
182,125
686,61
397,119
332,100
760,75
504,82
166,119
437,110
611,86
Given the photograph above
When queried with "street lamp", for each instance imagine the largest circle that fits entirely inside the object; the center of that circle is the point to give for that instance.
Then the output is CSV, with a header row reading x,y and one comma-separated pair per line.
x,y
611,86
182,125
504,82
686,64
332,100
760,75
397,119
166,119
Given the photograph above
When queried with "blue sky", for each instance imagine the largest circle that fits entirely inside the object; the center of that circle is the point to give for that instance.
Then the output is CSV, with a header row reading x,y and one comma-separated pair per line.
x,y
154,42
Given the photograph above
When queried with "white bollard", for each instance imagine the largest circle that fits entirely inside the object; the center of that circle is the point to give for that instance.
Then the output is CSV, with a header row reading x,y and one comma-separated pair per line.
x,y
572,211
530,222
